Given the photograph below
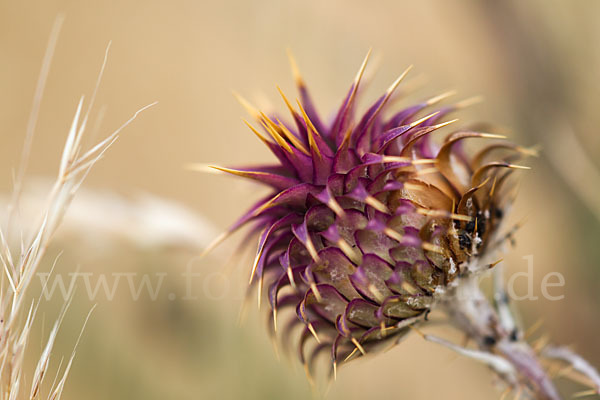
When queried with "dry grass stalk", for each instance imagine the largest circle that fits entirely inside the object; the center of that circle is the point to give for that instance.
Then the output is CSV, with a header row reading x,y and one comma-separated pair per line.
x,y
20,267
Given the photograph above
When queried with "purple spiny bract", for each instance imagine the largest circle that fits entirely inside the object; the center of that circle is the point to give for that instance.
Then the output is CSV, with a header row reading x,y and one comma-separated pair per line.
x,y
369,219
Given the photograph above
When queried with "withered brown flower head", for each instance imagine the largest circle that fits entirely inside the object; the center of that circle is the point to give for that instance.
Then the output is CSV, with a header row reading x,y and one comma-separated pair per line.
x,y
370,219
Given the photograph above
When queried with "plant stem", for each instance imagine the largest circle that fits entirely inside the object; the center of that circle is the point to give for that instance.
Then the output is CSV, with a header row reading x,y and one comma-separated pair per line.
x,y
502,349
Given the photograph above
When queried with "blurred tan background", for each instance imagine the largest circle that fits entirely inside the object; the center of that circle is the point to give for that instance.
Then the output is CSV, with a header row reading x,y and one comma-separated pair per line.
x,y
537,63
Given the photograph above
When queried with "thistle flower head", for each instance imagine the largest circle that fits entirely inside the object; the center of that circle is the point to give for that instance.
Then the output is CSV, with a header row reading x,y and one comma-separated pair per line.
x,y
369,219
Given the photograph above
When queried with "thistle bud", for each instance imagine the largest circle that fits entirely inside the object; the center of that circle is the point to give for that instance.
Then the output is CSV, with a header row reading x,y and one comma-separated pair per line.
x,y
370,219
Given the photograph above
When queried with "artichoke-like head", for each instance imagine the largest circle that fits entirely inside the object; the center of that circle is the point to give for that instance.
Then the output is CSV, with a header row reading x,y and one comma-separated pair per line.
x,y
370,219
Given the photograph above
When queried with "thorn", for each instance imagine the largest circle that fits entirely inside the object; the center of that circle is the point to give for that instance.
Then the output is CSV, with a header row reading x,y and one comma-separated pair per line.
x,y
314,333
427,171
310,378
359,347
275,348
443,124
361,70
566,371
347,136
359,76
267,204
217,241
259,291
334,370
513,166
469,102
245,174
492,265
316,292
311,130
493,186
376,204
432,247
576,377
396,83
268,121
287,102
201,167
292,138
539,344
255,263
290,275
351,354
412,186
585,393
256,132
424,161
378,295
533,328
275,319
394,159
529,151
336,208
312,251
419,332
425,118
440,97
388,94
352,254
491,135
382,329
505,393
444,213
272,129
393,234
250,109
409,287
295,70
554,369
519,393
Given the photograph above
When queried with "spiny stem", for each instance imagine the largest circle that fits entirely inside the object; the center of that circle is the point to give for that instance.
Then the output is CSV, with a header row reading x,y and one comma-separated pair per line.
x,y
471,312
